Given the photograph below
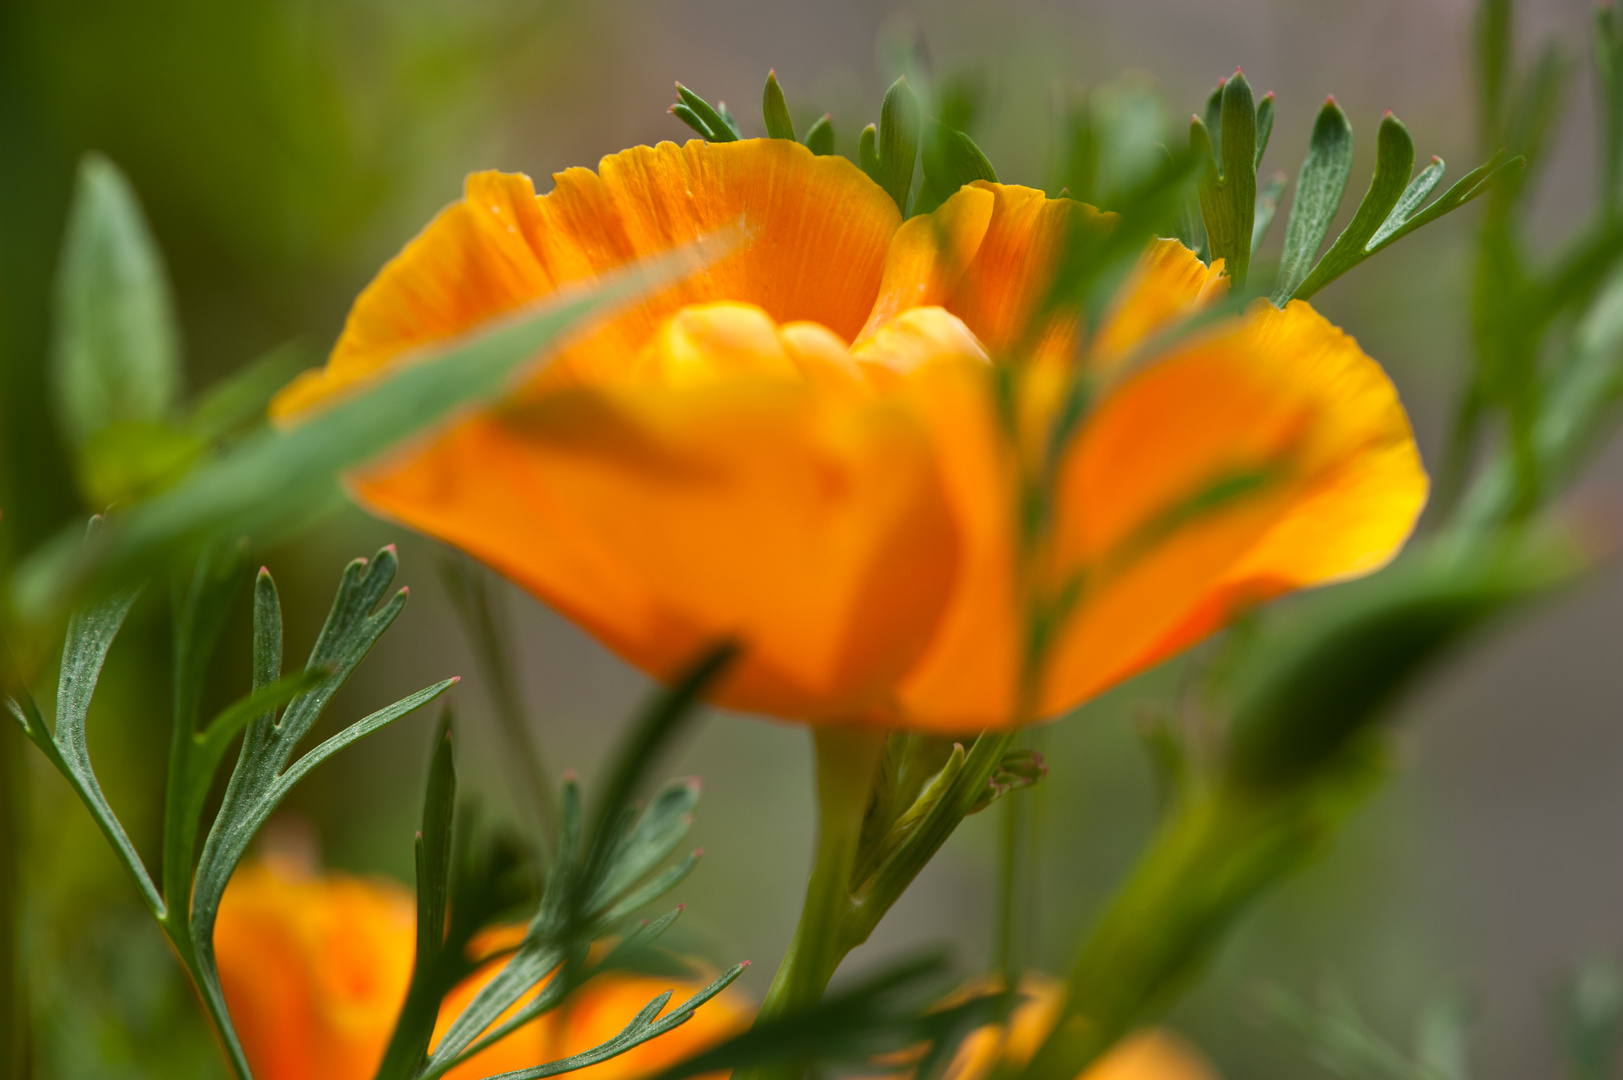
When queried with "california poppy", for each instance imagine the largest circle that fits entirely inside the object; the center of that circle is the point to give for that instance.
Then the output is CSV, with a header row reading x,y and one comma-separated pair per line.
x,y
1147,1055
315,969
798,447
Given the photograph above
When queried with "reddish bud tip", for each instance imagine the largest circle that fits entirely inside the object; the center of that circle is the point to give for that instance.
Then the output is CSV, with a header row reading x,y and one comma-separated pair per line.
x,y
698,853
746,963
264,571
679,907
1239,71
1386,114
1435,160
405,590
1329,99
571,776
455,679
772,73
390,548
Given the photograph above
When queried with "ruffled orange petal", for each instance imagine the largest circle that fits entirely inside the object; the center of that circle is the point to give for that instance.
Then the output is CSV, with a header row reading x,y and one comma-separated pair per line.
x,y
1005,284
817,230
1268,458
1170,285
809,526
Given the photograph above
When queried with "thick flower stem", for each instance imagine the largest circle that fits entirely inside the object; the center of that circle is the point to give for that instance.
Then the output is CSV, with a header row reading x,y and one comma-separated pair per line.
x,y
847,758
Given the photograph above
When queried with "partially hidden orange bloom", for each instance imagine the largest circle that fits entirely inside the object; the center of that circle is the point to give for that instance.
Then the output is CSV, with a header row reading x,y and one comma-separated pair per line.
x,y
315,969
1147,1055
798,446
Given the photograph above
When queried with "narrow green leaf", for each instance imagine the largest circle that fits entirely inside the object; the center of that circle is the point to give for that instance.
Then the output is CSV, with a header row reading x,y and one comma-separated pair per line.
x,y
900,119
1416,193
692,120
868,152
1319,187
1492,33
1267,205
90,635
646,1025
951,160
116,351
779,124
656,834
1228,195
727,118
1468,187
273,480
714,126
1394,162
1265,126
820,136
1213,116
414,1029
649,736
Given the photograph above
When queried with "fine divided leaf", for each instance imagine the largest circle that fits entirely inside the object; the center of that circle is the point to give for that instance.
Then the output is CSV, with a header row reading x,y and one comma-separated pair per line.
x,y
1319,187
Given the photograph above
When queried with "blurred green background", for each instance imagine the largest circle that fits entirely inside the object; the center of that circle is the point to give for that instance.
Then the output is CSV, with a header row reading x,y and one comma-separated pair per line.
x,y
283,149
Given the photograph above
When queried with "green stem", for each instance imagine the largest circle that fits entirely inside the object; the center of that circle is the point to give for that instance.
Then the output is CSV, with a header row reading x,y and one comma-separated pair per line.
x,y
1006,943
13,1002
483,620
847,758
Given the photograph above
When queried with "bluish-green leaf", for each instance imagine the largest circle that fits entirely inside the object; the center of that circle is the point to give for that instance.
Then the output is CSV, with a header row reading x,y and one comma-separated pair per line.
x,y
1267,205
1394,162
1265,126
1319,187
116,351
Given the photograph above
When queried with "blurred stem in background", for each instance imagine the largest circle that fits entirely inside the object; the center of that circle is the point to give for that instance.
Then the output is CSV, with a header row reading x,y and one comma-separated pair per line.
x,y
479,603
13,1003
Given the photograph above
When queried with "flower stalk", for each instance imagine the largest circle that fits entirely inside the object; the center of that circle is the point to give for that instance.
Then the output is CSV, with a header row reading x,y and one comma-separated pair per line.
x,y
846,759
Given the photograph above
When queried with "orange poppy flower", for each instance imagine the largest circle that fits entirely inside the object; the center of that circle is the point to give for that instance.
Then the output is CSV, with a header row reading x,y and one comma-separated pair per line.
x,y
1147,1055
798,448
315,970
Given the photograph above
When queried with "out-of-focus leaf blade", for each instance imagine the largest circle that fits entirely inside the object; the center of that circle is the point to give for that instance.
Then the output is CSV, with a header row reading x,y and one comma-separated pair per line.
x,y
1316,681
820,136
275,477
116,354
951,160
1228,195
